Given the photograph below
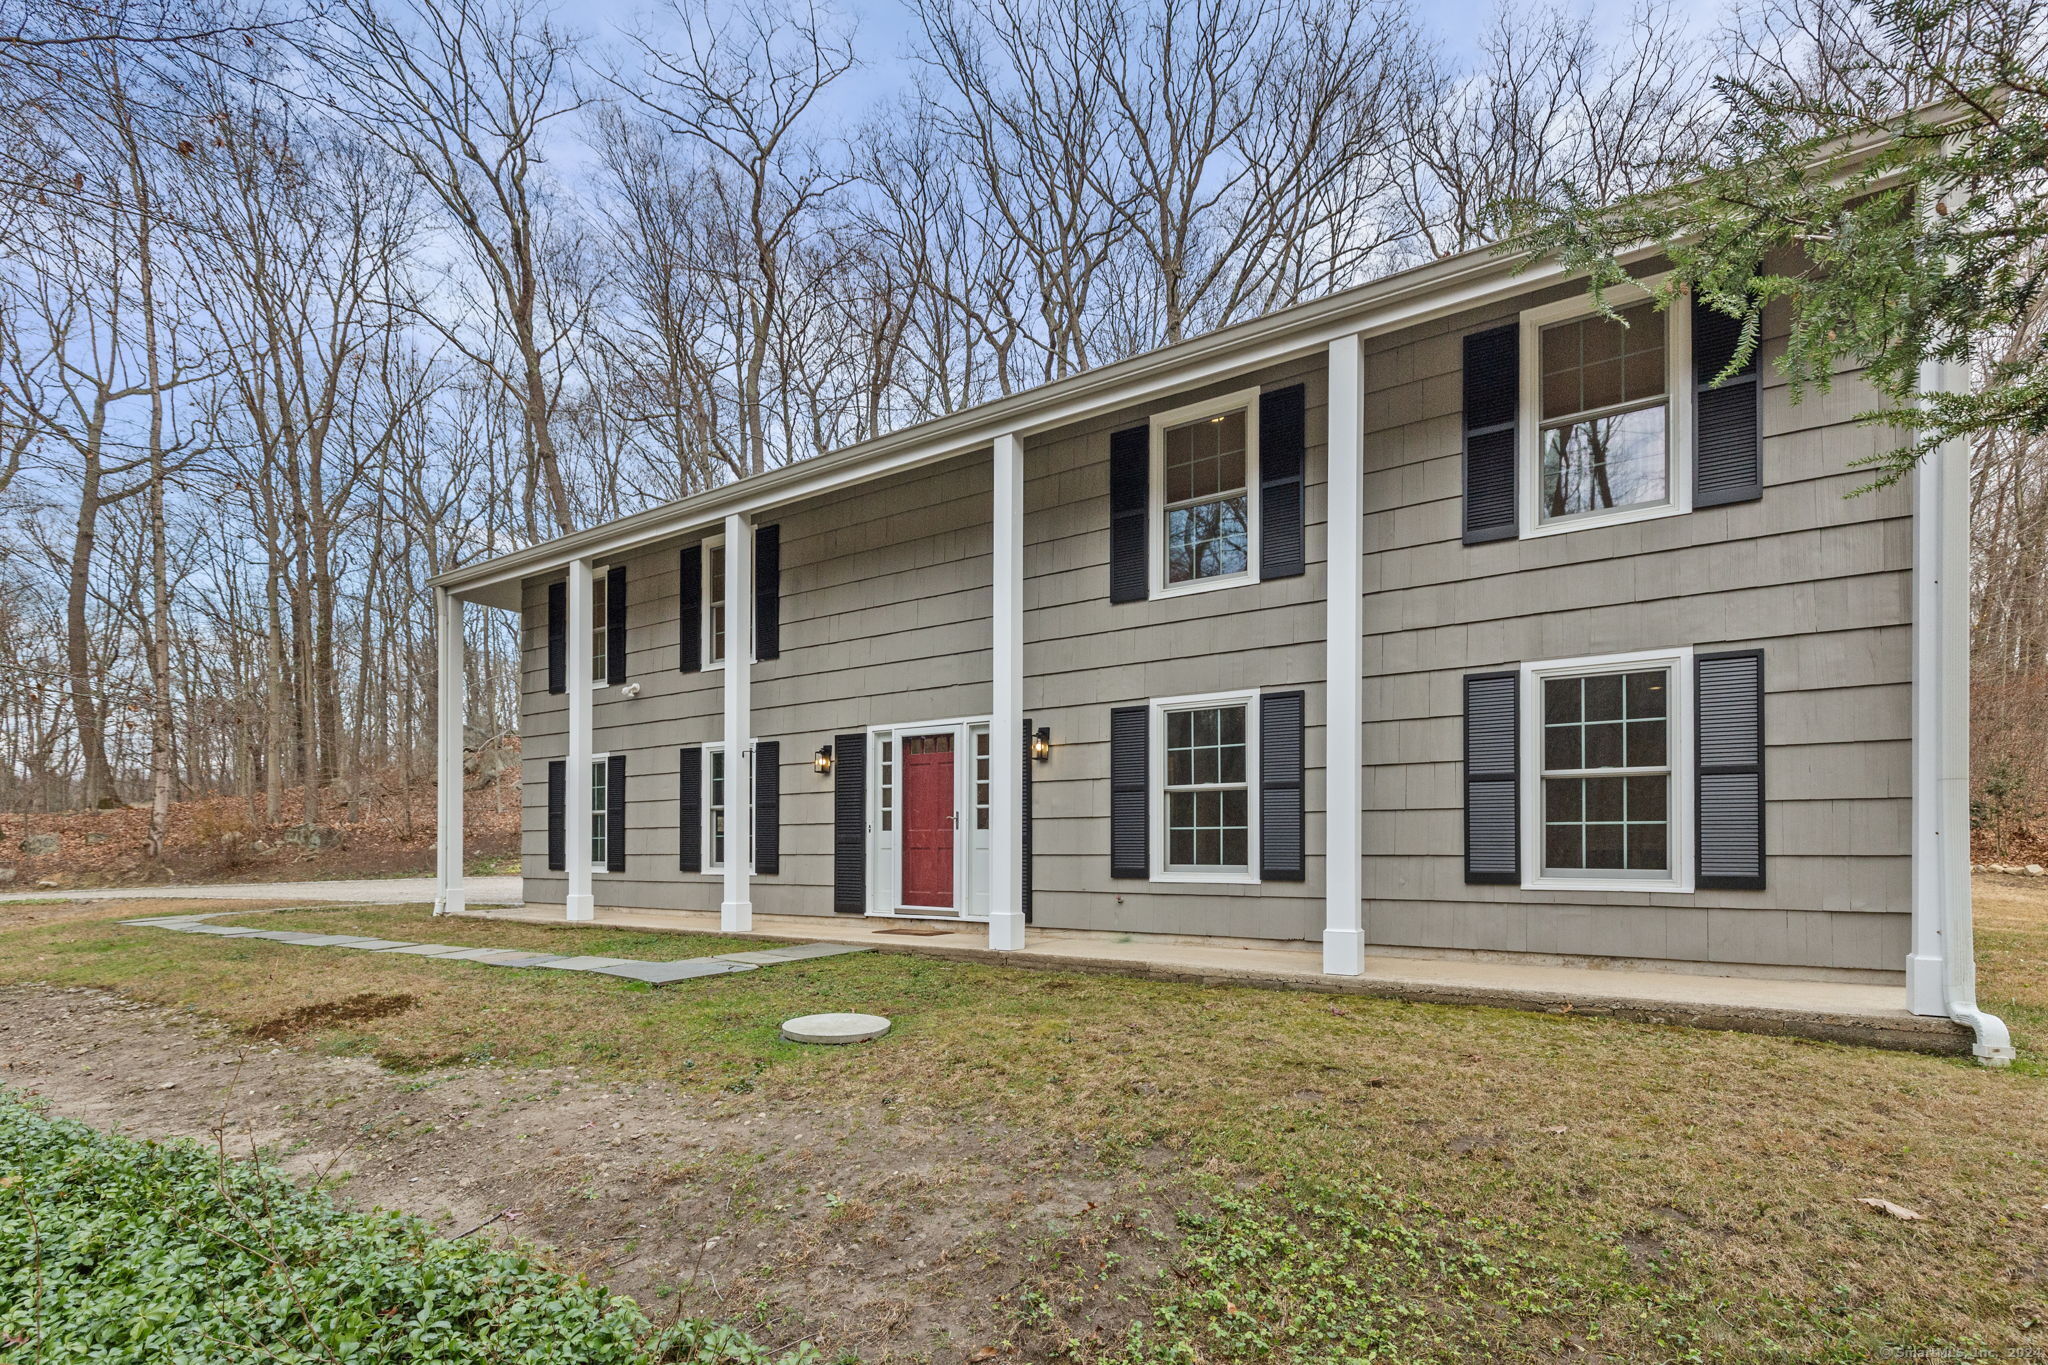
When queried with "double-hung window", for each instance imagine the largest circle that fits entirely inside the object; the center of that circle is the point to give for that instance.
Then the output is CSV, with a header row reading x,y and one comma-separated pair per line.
x,y
1609,744
715,824
1606,409
599,623
1206,751
1205,494
600,769
714,602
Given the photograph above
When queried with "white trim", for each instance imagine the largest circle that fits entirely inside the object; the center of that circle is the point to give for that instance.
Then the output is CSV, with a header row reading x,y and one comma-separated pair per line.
x,y
1678,728
578,903
598,866
711,868
1343,635
1156,796
1678,404
736,910
450,714
600,653
706,662
885,850
1006,703
1247,401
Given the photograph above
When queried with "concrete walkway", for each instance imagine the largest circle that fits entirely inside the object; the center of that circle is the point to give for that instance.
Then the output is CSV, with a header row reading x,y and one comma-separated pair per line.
x,y
380,891
1873,1015
660,973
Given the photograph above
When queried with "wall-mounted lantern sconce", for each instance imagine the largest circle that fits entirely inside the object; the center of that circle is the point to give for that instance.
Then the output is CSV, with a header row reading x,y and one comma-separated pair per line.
x,y
822,760
1041,743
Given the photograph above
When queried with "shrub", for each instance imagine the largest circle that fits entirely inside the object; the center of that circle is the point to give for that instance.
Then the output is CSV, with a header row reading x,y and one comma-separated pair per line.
x,y
115,1250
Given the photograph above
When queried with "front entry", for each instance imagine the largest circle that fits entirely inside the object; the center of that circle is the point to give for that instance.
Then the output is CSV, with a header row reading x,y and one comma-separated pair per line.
x,y
929,820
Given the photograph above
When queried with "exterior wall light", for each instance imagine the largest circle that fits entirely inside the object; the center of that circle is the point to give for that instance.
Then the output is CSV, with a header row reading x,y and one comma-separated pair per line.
x,y
822,760
1041,743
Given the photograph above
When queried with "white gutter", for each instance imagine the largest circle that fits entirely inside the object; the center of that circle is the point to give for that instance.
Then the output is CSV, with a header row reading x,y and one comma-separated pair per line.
x,y
1941,972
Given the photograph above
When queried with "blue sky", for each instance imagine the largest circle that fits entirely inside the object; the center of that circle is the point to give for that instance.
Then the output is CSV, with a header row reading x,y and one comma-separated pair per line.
x,y
885,29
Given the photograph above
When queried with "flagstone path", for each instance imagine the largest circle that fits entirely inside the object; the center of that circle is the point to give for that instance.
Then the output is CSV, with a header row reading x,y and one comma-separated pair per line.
x,y
653,973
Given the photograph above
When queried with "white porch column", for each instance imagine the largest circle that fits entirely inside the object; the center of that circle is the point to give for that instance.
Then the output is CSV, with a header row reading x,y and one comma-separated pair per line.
x,y
736,911
450,712
576,815
1343,924
1006,703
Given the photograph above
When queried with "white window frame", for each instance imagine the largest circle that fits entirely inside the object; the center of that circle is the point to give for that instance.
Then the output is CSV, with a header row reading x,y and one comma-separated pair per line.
x,y
599,763
716,866
711,543
600,626
1156,796
1678,433
1155,511
1679,754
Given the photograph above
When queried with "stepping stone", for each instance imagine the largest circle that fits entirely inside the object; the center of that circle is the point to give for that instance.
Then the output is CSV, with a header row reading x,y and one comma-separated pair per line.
x,y
349,941
584,964
223,930
162,919
292,936
661,973
834,1029
376,945
498,957
424,950
797,952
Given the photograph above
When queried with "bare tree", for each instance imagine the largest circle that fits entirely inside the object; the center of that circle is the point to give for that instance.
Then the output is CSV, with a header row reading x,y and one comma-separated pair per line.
x,y
464,93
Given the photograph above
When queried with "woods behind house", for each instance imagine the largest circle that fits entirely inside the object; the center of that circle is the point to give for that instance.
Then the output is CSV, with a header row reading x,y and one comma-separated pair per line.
x,y
299,308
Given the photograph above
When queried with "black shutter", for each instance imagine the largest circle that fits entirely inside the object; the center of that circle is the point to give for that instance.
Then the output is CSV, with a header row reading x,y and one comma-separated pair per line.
x,y
615,813
691,624
1130,477
767,592
1130,783
1282,856
767,807
558,814
558,637
1492,823
690,808
1283,456
850,824
1728,708
615,625
1493,378
1024,870
1727,418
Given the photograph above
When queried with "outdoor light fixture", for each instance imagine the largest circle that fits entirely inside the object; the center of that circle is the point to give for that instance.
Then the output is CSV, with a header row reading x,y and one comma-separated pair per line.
x,y
822,760
1041,743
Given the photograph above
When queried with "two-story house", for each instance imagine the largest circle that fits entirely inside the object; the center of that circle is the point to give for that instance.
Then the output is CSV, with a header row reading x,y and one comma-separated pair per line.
x,y
1443,616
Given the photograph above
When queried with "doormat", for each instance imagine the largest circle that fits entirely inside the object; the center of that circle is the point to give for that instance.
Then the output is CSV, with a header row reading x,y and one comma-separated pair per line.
x,y
916,930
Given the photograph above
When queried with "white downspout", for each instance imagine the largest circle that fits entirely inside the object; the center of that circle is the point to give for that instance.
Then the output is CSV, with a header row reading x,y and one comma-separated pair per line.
x,y
1941,974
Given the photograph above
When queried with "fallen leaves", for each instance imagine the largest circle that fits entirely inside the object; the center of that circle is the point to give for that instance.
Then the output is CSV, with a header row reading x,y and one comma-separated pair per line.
x,y
1898,1211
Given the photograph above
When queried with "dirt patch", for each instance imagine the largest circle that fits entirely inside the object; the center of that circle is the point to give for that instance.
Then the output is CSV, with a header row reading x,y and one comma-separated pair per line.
x,y
882,1229
353,1009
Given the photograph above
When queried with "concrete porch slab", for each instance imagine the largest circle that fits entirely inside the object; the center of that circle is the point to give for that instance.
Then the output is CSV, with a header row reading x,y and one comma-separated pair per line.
x,y
1870,1015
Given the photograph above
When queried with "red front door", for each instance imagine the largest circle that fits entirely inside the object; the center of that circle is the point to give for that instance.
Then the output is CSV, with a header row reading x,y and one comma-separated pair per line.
x,y
928,821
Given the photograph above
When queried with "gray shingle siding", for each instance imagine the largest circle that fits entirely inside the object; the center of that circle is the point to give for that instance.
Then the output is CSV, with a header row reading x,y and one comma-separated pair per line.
x,y
886,596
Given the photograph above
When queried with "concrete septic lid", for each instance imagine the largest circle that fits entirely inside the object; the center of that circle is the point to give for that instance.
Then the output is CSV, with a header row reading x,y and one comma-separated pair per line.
x,y
834,1028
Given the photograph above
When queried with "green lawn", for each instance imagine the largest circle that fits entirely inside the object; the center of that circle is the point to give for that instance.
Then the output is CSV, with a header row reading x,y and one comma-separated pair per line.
x,y
1380,1181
